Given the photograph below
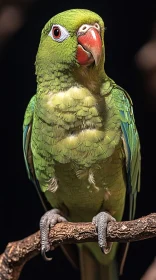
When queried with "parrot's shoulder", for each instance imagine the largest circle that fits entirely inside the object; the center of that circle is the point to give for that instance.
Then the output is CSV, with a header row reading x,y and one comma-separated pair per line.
x,y
122,99
27,127
116,95
29,111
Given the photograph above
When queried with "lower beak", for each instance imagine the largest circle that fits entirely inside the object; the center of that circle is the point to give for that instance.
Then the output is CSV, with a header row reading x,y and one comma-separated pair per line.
x,y
89,47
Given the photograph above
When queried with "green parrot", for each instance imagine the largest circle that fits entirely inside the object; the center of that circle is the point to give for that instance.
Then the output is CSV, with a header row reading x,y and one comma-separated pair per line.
x,y
81,145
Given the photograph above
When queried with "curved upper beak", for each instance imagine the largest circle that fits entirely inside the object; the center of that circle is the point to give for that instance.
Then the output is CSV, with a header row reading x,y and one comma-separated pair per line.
x,y
89,46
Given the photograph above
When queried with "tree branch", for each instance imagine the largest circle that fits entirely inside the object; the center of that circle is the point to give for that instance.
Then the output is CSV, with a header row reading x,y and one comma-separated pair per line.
x,y
18,253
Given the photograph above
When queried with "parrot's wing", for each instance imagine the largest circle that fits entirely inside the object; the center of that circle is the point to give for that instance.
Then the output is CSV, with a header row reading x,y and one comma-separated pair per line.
x,y
27,128
131,145
27,125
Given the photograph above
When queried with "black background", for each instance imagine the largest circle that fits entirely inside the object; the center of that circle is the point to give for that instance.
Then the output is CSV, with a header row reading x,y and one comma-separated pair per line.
x,y
128,26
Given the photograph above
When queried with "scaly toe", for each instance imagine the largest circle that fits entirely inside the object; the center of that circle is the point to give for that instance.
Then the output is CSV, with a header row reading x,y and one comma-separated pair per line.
x,y
48,220
101,221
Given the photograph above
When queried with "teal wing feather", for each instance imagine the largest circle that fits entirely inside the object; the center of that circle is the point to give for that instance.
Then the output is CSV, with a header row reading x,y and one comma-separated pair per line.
x,y
27,127
131,145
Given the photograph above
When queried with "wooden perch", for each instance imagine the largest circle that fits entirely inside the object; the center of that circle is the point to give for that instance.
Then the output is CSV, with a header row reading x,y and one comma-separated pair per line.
x,y
18,253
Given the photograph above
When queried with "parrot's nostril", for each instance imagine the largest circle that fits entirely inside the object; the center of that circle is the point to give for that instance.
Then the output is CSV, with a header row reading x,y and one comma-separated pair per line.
x,y
83,28
97,26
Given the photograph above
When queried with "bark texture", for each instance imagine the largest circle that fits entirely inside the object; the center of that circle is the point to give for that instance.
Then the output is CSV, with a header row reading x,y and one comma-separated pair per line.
x,y
18,253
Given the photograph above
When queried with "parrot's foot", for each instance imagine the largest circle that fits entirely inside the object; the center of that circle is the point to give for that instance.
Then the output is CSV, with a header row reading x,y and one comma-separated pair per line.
x,y
101,221
48,220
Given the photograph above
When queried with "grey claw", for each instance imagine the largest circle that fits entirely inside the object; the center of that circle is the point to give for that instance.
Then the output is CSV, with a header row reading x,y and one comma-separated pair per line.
x,y
48,220
102,250
101,221
43,253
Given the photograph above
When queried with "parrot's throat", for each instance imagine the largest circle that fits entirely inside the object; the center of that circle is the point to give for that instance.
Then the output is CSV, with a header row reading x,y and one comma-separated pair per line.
x,y
55,78
89,77
61,77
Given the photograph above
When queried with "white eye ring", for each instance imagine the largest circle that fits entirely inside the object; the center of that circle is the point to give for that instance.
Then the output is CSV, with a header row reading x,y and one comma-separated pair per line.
x,y
58,33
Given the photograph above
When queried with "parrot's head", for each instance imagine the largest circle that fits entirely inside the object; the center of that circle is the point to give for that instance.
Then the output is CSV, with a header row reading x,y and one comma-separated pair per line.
x,y
72,41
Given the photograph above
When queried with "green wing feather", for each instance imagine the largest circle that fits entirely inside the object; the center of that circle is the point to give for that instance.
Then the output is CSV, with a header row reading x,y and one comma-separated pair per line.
x,y
28,119
27,127
131,144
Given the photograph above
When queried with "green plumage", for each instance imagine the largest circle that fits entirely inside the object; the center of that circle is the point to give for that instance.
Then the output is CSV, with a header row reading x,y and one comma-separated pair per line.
x,y
80,139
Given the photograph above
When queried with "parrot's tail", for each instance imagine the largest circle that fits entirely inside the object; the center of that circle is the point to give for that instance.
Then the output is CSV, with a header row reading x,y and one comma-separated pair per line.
x,y
92,270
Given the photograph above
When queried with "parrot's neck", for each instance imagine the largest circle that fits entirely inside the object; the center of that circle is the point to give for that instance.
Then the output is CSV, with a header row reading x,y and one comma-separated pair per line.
x,y
90,77
61,78
55,79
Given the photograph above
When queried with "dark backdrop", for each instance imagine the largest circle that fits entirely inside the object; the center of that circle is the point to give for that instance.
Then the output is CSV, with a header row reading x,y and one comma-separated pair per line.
x,y
129,26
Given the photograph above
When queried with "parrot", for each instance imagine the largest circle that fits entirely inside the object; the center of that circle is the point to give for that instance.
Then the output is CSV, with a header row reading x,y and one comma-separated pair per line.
x,y
80,141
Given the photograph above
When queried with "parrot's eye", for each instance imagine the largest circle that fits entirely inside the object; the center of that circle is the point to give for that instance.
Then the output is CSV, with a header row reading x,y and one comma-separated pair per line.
x,y
58,33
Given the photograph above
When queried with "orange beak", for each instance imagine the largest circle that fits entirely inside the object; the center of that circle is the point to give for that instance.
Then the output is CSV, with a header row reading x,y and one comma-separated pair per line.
x,y
89,48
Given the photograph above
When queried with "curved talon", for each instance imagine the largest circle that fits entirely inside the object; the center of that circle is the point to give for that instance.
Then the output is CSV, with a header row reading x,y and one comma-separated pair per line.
x,y
43,253
106,249
102,250
101,221
49,220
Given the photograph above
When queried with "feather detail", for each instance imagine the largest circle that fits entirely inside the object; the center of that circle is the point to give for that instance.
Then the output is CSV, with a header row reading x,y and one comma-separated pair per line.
x,y
91,179
81,174
52,185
